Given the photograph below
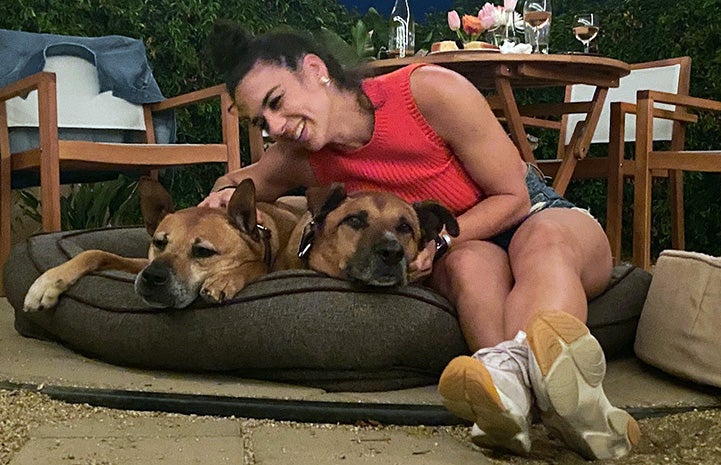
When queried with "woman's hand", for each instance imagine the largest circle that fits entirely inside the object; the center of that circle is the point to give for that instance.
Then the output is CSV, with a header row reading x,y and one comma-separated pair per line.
x,y
218,199
422,266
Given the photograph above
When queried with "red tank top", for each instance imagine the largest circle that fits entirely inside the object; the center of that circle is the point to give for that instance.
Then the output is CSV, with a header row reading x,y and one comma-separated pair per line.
x,y
404,156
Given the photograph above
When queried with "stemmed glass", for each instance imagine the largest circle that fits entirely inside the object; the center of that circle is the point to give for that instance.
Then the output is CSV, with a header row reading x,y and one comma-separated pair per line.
x,y
537,18
585,28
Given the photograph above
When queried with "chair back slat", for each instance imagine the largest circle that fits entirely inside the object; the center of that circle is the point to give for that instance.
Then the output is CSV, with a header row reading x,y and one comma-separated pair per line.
x,y
671,75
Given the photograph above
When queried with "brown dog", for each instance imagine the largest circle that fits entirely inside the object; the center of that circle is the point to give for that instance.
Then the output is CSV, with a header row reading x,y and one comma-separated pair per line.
x,y
365,237
368,237
194,251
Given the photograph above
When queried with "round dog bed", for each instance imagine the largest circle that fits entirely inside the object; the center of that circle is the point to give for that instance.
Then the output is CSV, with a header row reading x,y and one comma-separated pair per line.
x,y
293,326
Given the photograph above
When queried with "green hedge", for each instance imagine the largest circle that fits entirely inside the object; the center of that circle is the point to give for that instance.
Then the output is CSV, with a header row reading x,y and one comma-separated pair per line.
x,y
632,30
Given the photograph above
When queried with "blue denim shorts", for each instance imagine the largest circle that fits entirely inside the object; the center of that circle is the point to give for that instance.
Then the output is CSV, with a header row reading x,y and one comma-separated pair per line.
x,y
542,197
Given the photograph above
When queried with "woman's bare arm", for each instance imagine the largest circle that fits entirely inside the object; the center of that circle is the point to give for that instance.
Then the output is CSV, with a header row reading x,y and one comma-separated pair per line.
x,y
461,116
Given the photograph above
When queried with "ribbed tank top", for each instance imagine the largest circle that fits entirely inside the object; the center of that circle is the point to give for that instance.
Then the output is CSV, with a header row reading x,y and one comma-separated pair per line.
x,y
404,156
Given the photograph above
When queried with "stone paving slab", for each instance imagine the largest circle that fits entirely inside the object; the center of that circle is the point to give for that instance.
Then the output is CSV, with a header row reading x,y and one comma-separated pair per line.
x,y
135,441
282,444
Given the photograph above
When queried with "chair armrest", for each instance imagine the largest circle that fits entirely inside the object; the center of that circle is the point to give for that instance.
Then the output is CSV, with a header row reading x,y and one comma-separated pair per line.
x,y
229,120
26,85
681,100
678,115
190,98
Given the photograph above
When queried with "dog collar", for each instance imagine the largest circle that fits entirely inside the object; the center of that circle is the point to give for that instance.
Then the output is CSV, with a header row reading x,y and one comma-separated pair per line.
x,y
306,240
443,243
267,252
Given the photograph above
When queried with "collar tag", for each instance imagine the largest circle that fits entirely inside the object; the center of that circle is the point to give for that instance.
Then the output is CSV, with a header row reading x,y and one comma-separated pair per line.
x,y
306,240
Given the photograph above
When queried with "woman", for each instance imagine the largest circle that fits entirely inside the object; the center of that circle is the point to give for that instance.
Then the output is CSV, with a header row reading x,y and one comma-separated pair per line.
x,y
524,265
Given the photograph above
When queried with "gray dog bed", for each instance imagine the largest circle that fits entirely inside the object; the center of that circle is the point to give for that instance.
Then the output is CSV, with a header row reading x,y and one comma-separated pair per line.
x,y
296,326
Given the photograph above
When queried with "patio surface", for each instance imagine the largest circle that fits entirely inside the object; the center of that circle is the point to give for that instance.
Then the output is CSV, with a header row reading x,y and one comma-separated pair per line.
x,y
64,375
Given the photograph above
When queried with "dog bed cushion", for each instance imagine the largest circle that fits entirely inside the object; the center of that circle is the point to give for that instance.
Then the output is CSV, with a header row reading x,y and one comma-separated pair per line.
x,y
293,326
680,321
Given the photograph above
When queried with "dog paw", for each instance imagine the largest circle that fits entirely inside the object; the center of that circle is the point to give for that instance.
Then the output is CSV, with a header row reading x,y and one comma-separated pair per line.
x,y
212,295
44,293
220,290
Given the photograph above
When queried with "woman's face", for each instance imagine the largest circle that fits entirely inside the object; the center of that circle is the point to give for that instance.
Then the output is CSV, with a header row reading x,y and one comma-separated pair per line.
x,y
291,106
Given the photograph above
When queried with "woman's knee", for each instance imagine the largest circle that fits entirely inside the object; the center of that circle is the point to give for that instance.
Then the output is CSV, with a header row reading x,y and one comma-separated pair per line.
x,y
466,263
561,233
566,242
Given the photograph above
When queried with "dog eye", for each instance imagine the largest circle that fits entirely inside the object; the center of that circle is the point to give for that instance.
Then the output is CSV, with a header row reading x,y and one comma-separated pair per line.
x,y
404,228
160,244
199,251
356,221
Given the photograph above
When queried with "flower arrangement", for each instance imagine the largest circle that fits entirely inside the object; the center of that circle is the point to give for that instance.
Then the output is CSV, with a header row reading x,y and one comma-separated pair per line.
x,y
490,17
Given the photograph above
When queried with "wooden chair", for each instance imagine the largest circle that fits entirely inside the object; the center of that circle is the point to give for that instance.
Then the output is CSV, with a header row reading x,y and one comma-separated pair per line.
x,y
615,127
54,157
675,160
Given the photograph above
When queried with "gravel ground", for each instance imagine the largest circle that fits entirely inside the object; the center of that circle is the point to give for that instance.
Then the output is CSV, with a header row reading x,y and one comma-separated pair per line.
x,y
692,438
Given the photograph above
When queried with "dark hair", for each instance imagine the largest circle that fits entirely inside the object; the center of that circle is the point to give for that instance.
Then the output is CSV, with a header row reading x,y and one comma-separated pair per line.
x,y
234,52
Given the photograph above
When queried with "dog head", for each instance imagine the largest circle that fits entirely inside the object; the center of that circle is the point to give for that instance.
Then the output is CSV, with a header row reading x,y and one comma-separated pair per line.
x,y
199,251
370,237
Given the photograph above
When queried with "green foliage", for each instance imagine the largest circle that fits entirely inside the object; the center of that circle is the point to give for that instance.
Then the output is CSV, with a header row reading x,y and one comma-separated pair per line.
x,y
369,38
92,205
103,203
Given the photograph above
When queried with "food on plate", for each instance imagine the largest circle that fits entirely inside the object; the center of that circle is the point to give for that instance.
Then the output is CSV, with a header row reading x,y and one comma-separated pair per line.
x,y
444,46
477,44
450,45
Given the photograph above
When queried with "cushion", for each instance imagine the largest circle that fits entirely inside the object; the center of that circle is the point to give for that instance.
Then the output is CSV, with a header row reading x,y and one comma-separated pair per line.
x,y
679,325
293,326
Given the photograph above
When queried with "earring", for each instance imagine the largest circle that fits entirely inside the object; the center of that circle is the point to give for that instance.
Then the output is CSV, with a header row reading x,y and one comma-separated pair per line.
x,y
325,80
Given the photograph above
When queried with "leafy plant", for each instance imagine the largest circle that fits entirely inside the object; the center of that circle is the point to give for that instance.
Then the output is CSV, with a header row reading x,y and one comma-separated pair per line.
x,y
92,205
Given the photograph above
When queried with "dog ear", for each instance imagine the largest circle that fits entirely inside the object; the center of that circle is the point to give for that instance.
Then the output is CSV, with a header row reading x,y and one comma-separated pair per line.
x,y
433,217
324,199
241,209
155,203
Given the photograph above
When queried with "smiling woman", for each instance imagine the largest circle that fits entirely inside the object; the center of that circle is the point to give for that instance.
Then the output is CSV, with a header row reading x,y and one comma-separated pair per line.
x,y
426,132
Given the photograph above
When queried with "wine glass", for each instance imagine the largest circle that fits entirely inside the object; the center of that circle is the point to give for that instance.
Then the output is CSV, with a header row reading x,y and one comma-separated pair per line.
x,y
585,28
537,18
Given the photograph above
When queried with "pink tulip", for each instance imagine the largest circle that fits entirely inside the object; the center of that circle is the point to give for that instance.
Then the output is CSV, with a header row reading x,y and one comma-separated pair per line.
x,y
488,15
454,21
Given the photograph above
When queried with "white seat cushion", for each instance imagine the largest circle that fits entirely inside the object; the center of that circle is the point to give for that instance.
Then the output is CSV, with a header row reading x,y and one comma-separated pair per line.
x,y
80,103
662,78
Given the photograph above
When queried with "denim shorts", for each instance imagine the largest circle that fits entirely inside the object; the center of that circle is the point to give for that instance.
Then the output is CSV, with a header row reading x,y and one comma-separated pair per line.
x,y
542,197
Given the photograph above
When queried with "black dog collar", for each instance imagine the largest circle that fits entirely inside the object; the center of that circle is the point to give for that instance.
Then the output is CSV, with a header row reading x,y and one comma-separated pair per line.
x,y
306,240
267,252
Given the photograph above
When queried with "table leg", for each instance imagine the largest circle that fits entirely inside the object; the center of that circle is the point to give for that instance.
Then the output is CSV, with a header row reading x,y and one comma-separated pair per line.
x,y
513,119
580,141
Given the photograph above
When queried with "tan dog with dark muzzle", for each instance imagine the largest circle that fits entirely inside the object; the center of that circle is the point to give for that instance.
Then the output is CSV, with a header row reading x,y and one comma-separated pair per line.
x,y
194,252
369,237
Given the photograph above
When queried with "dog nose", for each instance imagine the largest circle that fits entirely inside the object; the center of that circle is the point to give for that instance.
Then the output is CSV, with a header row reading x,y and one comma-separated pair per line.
x,y
155,275
391,252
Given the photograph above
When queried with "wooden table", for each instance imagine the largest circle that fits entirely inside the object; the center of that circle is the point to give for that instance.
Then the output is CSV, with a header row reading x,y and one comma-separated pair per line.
x,y
506,72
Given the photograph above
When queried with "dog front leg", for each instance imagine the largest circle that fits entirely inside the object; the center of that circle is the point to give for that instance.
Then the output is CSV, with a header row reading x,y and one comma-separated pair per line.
x,y
46,289
223,286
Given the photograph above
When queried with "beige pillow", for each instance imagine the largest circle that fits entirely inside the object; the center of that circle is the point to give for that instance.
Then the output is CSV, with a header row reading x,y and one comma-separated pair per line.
x,y
680,326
